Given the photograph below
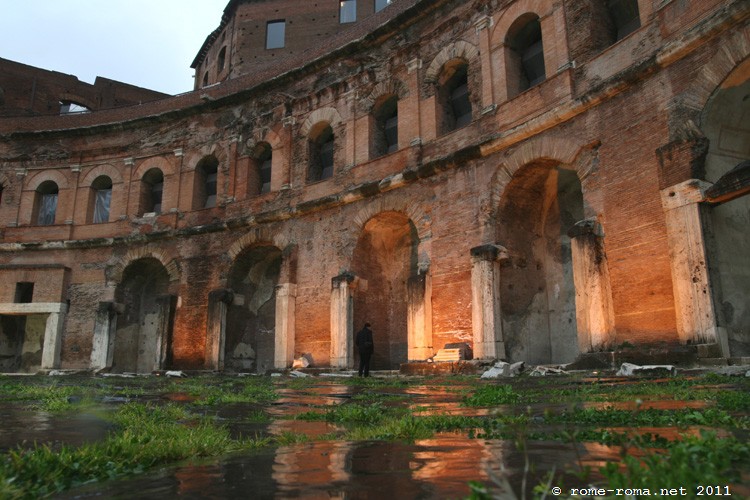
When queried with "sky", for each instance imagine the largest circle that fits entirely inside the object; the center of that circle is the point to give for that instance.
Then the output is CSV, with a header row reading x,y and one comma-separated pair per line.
x,y
148,43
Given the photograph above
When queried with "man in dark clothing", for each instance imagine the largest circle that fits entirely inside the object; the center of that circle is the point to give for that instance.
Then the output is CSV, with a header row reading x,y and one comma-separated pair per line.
x,y
365,347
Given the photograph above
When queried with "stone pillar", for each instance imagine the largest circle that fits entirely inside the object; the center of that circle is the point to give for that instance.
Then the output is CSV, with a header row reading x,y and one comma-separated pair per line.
x,y
342,321
696,317
105,326
595,321
53,338
216,326
286,296
419,311
486,316
167,305
409,124
483,31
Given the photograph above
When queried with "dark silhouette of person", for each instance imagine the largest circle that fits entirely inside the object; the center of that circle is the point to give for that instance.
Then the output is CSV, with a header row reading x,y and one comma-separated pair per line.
x,y
366,347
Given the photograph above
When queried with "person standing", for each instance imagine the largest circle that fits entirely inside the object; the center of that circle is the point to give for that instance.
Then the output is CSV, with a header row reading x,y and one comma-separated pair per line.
x,y
366,347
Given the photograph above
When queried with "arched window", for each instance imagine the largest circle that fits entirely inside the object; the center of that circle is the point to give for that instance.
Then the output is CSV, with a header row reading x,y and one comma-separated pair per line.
x,y
384,137
205,79
152,186
45,206
453,95
222,59
101,198
204,188
525,57
320,145
70,107
625,17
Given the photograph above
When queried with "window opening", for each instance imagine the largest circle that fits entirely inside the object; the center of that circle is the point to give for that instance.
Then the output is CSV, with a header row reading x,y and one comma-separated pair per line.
x,y
382,4
385,138
205,79
102,187
625,16
454,98
222,57
347,11
47,203
265,170
211,173
68,107
275,31
527,43
153,187
321,155
24,292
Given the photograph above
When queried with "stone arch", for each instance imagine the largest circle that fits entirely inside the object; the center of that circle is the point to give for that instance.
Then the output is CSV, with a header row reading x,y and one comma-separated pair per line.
x,y
171,265
329,115
457,50
392,86
256,236
412,209
507,17
58,177
106,169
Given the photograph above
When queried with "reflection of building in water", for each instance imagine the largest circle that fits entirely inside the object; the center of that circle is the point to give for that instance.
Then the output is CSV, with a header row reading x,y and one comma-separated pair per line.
x,y
537,179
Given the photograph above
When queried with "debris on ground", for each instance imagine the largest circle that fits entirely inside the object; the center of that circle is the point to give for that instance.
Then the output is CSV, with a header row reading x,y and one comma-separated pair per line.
x,y
303,361
542,371
630,369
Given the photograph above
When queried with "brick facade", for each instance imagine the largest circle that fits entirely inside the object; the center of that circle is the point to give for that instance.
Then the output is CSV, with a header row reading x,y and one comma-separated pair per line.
x,y
598,140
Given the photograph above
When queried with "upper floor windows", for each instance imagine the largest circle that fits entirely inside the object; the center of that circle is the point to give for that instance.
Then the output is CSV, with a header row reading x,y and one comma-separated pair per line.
x,y
221,60
624,16
204,190
453,96
45,205
320,147
100,200
275,32
382,4
525,55
347,11
264,168
69,107
385,126
152,186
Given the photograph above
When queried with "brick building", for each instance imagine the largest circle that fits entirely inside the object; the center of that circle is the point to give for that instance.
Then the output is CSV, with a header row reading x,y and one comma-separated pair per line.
x,y
539,179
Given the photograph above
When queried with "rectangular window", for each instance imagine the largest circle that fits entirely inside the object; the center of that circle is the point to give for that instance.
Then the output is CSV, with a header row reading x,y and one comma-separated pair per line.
x,y
382,4
24,292
275,34
347,11
102,201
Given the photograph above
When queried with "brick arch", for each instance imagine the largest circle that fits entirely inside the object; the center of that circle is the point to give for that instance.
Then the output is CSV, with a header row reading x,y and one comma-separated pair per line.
x,y
562,151
260,235
329,115
729,55
390,86
160,162
106,169
269,136
171,265
77,99
457,50
57,176
505,19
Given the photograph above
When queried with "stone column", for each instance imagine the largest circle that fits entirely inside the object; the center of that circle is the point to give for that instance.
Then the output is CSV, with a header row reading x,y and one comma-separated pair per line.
x,y
216,326
53,338
696,317
483,31
486,316
419,311
105,326
286,296
167,305
342,321
594,311
409,121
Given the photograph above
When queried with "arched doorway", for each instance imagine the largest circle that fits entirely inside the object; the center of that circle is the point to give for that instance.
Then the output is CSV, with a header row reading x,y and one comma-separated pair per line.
x,y
385,258
249,343
144,327
726,123
540,204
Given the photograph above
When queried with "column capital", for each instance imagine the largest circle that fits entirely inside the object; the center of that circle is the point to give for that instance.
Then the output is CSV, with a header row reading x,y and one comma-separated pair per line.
x,y
490,252
344,278
483,23
685,193
413,65
586,227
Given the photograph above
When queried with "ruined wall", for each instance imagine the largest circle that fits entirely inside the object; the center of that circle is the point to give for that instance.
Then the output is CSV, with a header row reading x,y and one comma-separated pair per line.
x,y
601,123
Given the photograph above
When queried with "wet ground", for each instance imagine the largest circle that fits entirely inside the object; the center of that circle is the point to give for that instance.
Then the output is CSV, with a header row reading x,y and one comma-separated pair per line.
x,y
328,465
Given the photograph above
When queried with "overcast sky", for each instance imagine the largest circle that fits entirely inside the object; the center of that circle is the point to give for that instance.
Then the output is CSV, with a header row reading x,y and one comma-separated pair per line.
x,y
148,43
